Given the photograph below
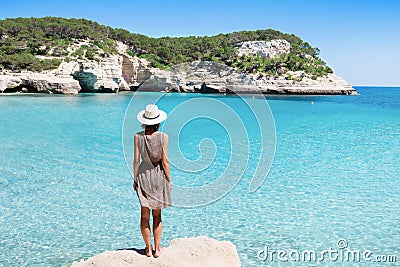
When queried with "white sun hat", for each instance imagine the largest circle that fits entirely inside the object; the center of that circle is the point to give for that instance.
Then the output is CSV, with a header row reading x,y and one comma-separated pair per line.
x,y
151,115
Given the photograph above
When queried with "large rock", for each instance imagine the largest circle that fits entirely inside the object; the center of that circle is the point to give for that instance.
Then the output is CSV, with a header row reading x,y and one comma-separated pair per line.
x,y
9,82
194,251
134,71
104,76
114,73
265,49
211,77
38,82
160,80
44,83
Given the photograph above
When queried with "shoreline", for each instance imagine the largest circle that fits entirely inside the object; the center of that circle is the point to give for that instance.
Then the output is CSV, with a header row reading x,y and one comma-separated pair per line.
x,y
196,77
20,94
306,91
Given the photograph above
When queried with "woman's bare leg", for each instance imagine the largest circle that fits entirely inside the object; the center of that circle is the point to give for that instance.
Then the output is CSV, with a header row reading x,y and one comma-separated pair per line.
x,y
145,229
157,231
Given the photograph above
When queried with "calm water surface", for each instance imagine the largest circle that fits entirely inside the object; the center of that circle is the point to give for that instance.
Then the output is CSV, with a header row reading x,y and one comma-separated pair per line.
x,y
66,192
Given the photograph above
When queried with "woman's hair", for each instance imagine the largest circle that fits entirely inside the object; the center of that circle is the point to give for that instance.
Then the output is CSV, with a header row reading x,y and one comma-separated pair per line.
x,y
152,128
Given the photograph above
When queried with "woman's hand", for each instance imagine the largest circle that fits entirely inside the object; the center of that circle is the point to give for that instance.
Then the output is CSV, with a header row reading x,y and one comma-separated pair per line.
x,y
169,185
135,186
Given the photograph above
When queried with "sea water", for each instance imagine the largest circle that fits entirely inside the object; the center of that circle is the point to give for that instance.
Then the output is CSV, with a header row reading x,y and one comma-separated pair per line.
x,y
66,190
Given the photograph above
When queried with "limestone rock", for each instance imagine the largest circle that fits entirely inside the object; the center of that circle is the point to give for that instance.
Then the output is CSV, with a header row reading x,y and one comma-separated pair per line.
x,y
51,84
182,252
9,82
97,76
159,80
114,73
264,49
121,72
134,71
126,72
36,82
211,77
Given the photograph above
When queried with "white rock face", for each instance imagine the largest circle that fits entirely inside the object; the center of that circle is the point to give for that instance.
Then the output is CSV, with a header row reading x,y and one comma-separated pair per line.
x,y
265,49
51,84
9,82
126,72
42,83
194,251
118,72
95,76
134,70
114,73
211,77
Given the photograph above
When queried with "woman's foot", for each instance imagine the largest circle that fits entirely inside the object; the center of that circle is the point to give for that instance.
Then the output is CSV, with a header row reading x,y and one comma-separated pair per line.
x,y
157,252
149,251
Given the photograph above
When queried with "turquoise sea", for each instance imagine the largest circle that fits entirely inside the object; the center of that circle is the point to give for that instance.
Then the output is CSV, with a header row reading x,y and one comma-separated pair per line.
x,y
66,191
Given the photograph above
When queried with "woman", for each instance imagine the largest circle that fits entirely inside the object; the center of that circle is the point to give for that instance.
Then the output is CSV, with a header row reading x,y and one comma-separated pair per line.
x,y
152,181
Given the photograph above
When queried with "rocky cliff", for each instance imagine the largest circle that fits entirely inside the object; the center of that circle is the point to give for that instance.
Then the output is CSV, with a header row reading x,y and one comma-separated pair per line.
x,y
28,82
211,77
111,74
265,49
125,72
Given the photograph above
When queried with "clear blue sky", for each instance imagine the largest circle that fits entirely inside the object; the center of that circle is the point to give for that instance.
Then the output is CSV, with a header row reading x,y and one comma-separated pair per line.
x,y
360,40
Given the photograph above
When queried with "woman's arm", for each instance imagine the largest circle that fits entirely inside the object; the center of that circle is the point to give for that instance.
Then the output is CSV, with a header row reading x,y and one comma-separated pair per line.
x,y
164,157
136,161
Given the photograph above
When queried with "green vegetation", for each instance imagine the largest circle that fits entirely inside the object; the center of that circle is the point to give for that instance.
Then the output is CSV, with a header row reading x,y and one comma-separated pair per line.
x,y
27,61
279,65
23,39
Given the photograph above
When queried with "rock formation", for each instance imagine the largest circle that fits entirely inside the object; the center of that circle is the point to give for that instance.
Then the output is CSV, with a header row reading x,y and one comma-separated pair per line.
x,y
264,49
211,77
194,251
112,74
126,72
134,71
38,83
